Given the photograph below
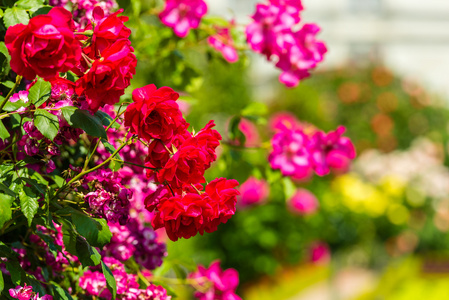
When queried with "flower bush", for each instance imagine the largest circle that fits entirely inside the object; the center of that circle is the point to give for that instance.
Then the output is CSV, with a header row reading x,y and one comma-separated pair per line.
x,y
93,165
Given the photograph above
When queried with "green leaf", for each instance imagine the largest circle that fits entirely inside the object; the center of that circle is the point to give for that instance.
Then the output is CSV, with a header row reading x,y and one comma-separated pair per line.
x,y
255,109
4,133
15,15
5,208
8,84
114,165
77,245
36,185
42,11
29,4
59,180
106,119
110,280
28,203
235,134
46,123
4,51
2,283
39,92
96,231
61,294
83,119
13,106
7,190
15,270
289,187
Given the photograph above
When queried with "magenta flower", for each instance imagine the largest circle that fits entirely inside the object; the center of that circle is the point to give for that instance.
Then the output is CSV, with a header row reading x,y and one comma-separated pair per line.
x,y
21,293
271,29
222,42
303,202
253,191
303,54
283,120
223,285
290,154
319,253
182,15
331,150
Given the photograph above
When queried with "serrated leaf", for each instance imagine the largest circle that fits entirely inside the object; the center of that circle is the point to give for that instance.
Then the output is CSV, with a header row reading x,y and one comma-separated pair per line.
x,y
39,92
4,133
110,280
82,119
5,208
13,106
106,119
46,123
96,231
8,84
14,16
28,203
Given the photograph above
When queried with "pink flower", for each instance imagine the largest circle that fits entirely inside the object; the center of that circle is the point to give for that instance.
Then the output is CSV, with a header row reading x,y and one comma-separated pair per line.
x,y
182,15
222,42
331,150
223,285
301,55
303,202
21,293
253,191
319,253
290,154
283,120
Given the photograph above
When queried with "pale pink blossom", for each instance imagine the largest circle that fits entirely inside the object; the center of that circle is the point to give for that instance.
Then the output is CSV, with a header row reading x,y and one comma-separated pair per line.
x,y
303,202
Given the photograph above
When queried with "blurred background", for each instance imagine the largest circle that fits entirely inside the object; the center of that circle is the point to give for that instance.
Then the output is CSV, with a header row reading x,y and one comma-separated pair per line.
x,y
378,230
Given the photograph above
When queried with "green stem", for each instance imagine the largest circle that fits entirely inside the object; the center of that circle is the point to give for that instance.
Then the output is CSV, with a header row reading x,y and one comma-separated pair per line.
x,y
18,80
83,173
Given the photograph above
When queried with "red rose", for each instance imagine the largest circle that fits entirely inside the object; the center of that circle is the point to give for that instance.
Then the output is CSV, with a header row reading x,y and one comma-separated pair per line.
x,y
209,139
107,31
44,47
186,166
182,216
109,76
155,114
221,194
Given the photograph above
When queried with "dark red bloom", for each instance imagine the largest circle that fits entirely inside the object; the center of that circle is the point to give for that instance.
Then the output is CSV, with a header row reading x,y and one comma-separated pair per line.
x,y
107,31
221,194
182,216
108,77
44,47
155,114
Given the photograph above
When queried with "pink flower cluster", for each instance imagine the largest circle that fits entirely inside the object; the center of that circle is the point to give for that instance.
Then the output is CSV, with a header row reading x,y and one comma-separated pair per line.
x,y
101,55
26,293
94,283
178,159
222,284
272,34
183,15
222,41
297,154
109,200
135,240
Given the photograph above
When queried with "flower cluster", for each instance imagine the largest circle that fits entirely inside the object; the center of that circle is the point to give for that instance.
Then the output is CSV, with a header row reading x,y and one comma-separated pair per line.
x,y
297,152
110,199
221,284
222,41
83,9
183,15
94,283
272,34
26,293
135,240
100,54
179,159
